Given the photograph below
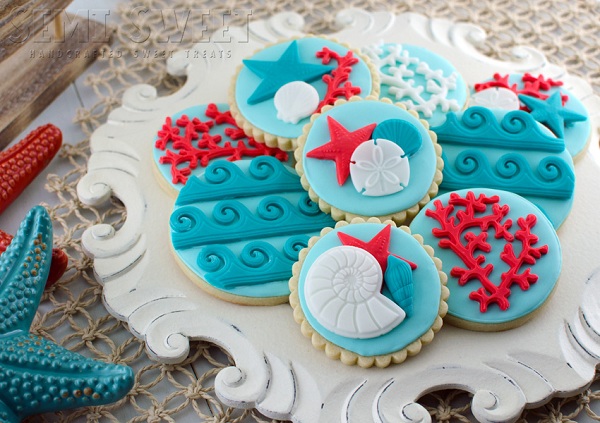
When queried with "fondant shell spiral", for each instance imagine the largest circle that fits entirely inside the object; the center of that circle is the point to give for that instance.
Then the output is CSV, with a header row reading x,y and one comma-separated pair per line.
x,y
342,291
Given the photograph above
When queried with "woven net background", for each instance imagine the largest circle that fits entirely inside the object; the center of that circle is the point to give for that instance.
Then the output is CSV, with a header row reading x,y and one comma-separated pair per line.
x,y
72,312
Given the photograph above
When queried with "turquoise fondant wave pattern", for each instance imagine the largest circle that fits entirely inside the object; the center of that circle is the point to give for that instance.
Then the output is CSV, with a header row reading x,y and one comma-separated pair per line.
x,y
553,177
258,263
232,221
478,126
223,179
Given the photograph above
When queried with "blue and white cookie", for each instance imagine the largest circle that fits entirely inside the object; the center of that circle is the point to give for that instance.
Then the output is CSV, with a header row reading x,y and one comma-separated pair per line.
x,y
366,157
368,293
237,229
277,89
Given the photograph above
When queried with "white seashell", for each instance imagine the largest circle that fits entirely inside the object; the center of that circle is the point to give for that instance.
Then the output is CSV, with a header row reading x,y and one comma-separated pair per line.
x,y
378,168
295,101
496,98
342,291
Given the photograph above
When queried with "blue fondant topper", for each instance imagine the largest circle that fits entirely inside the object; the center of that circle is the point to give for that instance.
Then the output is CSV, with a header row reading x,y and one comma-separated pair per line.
x,y
552,113
517,130
401,132
36,375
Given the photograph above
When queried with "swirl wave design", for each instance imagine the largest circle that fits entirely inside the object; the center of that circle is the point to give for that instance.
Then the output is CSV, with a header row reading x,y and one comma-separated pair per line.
x,y
258,263
553,178
233,221
478,126
223,179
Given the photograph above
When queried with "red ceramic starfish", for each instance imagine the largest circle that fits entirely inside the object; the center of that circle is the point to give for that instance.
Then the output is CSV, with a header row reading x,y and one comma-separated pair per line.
x,y
378,246
342,145
59,259
21,163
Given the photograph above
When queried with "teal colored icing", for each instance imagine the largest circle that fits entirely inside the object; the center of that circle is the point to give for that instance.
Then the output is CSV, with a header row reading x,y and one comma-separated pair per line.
x,y
245,241
258,263
264,115
551,112
224,179
517,130
398,280
401,132
426,298
522,303
37,375
552,178
435,62
544,178
321,174
576,135
233,221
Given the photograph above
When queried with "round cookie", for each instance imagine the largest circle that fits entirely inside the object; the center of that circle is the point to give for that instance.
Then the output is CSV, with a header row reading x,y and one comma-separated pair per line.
x,y
507,150
501,253
420,79
236,230
368,293
192,138
550,104
276,90
366,158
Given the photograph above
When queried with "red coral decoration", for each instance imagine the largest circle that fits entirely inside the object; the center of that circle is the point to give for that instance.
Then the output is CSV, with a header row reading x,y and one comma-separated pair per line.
x,y
198,147
532,86
337,82
451,235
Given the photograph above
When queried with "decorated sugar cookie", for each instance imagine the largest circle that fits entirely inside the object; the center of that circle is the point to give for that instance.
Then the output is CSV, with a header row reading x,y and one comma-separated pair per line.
x,y
277,90
193,138
237,229
501,253
418,78
507,150
368,293
549,103
369,158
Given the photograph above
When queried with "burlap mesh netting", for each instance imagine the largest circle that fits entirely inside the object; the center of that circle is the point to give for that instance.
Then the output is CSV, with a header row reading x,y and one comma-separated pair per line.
x,y
72,312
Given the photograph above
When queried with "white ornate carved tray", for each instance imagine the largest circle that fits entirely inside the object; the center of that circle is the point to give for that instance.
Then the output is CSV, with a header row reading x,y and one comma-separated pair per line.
x,y
277,370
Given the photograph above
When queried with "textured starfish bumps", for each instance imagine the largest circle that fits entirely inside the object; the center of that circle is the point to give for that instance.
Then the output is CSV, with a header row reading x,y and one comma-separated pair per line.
x,y
36,375
20,164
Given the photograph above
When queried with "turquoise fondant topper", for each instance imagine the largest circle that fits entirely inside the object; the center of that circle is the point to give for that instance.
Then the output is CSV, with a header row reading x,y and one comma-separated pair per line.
x,y
516,130
36,375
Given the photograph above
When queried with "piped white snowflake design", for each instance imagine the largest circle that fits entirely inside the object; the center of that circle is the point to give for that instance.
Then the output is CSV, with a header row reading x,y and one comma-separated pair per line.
x,y
399,77
379,167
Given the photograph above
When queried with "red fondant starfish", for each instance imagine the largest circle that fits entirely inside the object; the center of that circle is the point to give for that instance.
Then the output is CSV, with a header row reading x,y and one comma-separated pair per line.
x,y
342,145
378,246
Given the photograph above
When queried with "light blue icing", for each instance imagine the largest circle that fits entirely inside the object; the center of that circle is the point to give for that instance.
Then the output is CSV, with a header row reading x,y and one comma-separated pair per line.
x,y
545,178
522,303
576,135
264,115
321,174
196,112
426,298
435,62
240,226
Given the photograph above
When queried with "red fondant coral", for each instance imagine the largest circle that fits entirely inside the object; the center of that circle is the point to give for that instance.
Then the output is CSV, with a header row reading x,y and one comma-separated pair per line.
x,y
337,82
198,147
532,86
454,229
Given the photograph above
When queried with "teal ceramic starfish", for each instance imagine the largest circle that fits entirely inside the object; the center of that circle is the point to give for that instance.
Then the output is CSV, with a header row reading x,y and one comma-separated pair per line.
x,y
551,112
276,73
36,375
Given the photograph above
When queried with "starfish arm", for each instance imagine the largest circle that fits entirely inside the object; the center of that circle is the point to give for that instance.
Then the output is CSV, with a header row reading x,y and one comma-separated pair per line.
x,y
38,376
24,268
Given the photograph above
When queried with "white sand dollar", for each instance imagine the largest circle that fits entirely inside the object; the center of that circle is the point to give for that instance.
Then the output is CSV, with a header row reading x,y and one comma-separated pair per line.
x,y
379,167
342,291
495,98
295,101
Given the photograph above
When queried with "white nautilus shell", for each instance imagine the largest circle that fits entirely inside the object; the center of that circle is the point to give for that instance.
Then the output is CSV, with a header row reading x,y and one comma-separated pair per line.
x,y
295,101
342,291
495,98
379,167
